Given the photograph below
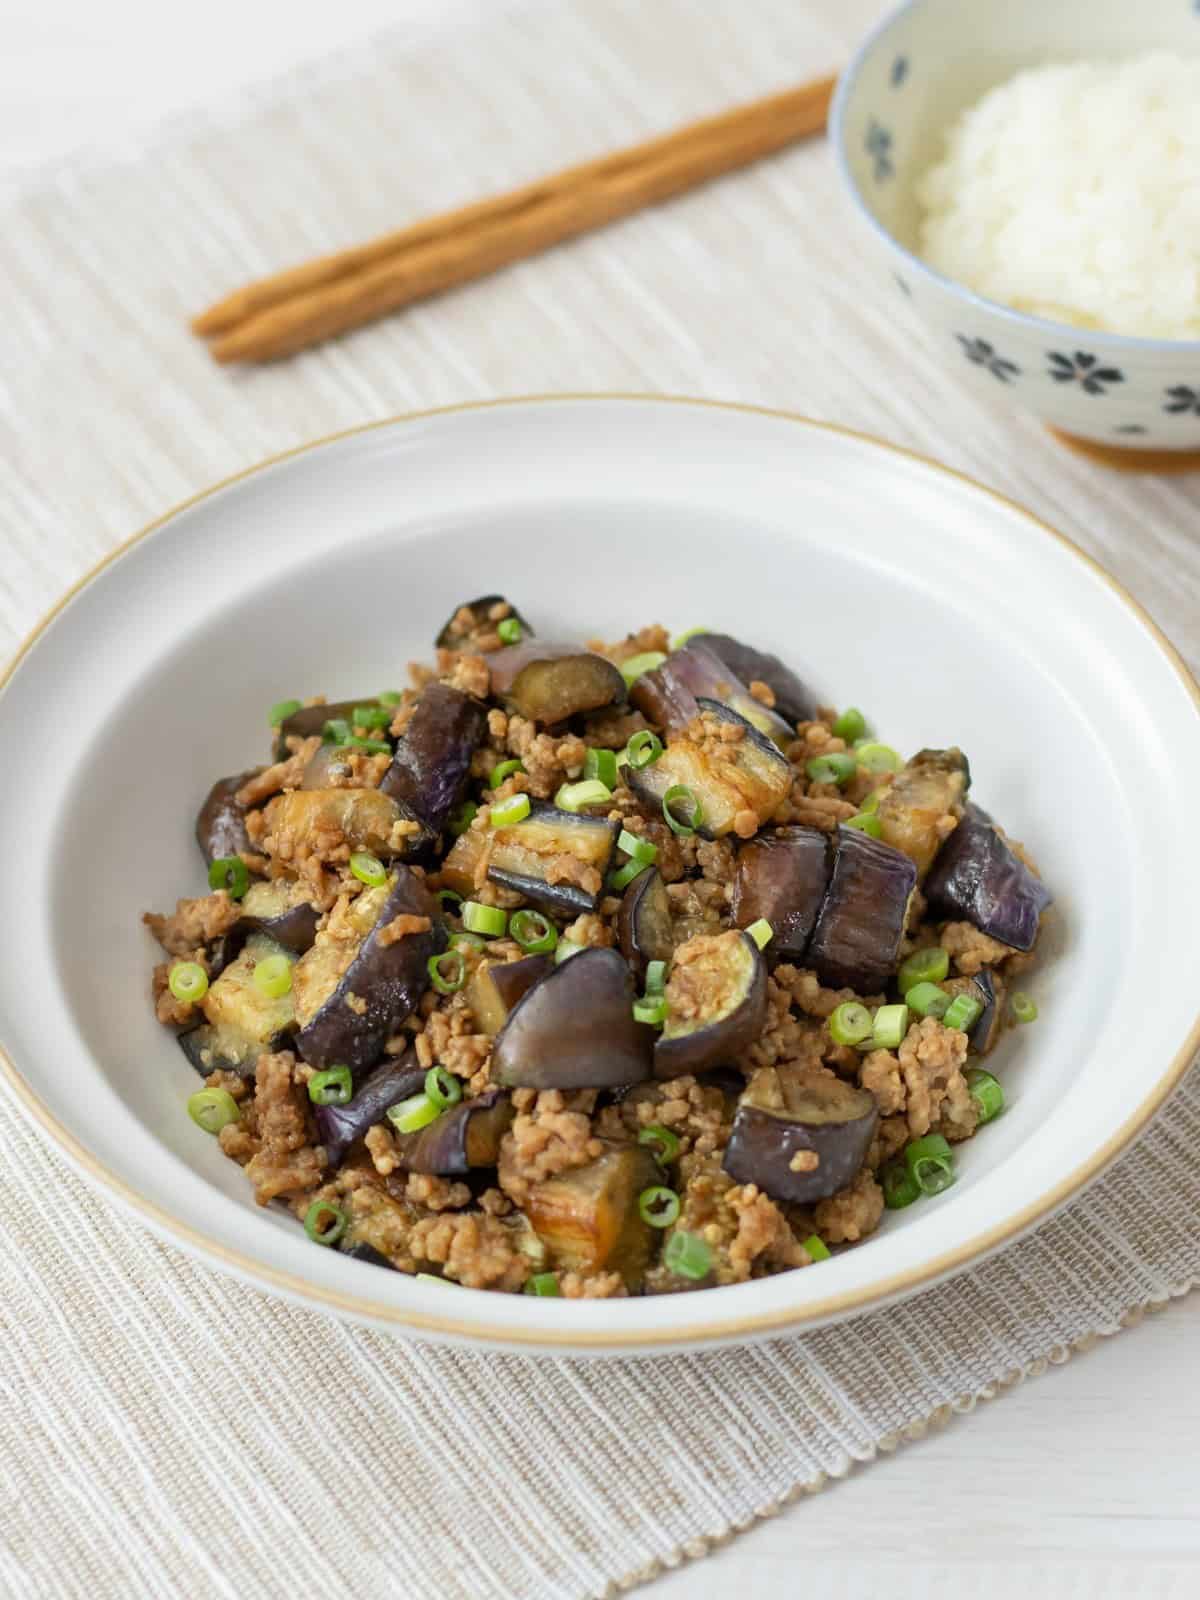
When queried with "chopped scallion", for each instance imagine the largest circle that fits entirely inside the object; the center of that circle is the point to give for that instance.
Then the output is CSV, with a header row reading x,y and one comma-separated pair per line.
x,y
231,874
368,869
389,697
575,796
535,933
850,1023
507,813
816,1247
336,731
659,1206
462,817
660,1141
924,966
889,1027
688,1255
850,725
282,710
212,1109
370,717
543,1283
447,972
927,1000
680,798
680,639
566,949
643,749
333,1087
449,900
623,876
637,848
502,770
986,1093
443,1088
761,932
325,1223
633,668
930,1162
652,1010
273,976
188,981
837,768
601,766
865,822
413,1114
899,1186
509,630
963,1012
656,977
877,757
488,920
1024,1007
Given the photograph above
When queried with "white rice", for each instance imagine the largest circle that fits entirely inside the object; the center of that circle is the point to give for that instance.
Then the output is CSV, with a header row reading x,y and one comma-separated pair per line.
x,y
1073,192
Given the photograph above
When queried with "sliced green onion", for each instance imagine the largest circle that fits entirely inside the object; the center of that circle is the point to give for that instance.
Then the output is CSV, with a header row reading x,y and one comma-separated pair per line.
x,y
889,1027
899,1186
282,710
930,1162
273,976
659,1206
680,639
927,1000
447,972
231,874
623,876
871,804
509,630
837,767
680,795
656,977
188,981
866,823
212,1109
1024,1007
507,813
634,845
449,900
389,697
462,817
643,749
660,1141
543,1283
651,1010
443,1088
370,717
850,1024
368,869
372,747
688,1255
924,966
817,1249
336,731
986,1093
877,757
963,1012
413,1114
333,1087
325,1223
761,932
502,770
488,920
850,725
636,665
535,933
467,941
433,1277
601,766
566,949
574,796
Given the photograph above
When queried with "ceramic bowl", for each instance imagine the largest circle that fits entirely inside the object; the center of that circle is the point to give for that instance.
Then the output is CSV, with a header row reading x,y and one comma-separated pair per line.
x,y
947,613
907,83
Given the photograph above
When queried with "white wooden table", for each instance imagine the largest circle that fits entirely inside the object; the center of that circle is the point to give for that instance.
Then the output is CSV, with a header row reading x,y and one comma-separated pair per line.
x,y
1082,1483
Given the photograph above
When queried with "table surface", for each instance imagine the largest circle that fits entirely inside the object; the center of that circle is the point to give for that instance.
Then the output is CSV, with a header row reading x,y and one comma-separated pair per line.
x,y
1083,1481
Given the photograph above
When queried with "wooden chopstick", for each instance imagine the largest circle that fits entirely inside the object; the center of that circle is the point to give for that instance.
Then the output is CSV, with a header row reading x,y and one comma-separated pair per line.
x,y
286,313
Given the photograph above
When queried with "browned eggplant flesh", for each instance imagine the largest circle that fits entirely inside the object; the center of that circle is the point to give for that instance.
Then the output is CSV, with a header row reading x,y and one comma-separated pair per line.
x,y
550,682
556,859
717,1004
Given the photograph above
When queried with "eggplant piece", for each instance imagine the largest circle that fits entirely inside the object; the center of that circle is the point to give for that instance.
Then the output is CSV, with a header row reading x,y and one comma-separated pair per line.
x,y
989,988
857,937
978,878
367,1252
668,696
784,1114
588,1218
466,1136
458,635
311,720
240,1022
338,1127
793,699
460,869
351,996
331,762
221,822
575,1030
433,760
281,908
727,978
921,794
495,987
644,927
540,856
364,818
750,775
550,682
782,877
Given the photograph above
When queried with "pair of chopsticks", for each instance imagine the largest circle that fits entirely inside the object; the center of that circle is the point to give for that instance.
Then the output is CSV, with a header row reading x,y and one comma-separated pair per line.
x,y
281,315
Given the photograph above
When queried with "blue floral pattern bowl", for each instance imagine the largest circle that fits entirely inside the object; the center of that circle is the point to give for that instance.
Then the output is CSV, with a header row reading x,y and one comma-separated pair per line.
x,y
912,77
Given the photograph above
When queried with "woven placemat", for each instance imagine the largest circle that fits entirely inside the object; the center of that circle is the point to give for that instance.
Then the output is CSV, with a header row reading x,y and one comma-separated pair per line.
x,y
174,1432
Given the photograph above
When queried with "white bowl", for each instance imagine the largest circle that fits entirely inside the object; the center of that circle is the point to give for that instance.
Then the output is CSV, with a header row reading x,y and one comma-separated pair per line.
x,y
906,84
948,613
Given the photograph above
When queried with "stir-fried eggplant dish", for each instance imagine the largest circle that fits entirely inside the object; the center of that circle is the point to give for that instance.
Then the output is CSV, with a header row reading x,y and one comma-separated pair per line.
x,y
594,970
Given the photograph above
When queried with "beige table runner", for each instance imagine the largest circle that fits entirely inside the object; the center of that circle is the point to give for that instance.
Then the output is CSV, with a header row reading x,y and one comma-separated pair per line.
x,y
167,1432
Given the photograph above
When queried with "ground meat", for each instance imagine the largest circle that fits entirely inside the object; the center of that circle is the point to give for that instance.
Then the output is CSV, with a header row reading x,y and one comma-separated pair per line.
x,y
193,923
814,811
233,1084
381,1147
449,1038
880,1075
286,774
745,1230
612,730
473,1249
716,860
762,692
809,996
696,1113
400,928
287,1161
590,930
549,760
971,950
931,1061
357,770
436,1194
384,1223
786,1038
655,639
591,1286
544,1141
495,1203
852,1213
891,1135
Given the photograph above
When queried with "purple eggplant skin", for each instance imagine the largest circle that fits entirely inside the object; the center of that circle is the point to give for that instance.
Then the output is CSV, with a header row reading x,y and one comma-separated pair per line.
x,y
576,1030
782,877
550,682
783,1114
495,987
668,696
466,1136
989,988
859,927
793,699
338,1127
367,1253
390,978
310,720
454,637
221,822
977,878
522,853
644,928
276,906
433,759
685,1046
